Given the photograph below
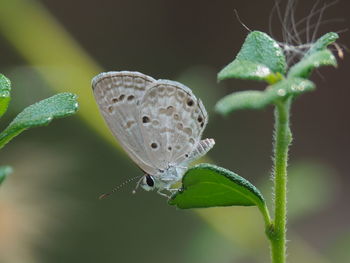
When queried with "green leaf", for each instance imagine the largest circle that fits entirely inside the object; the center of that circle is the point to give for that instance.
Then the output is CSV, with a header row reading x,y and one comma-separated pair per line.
x,y
242,100
317,59
4,172
40,114
244,69
206,185
317,56
5,97
255,100
323,42
259,58
290,87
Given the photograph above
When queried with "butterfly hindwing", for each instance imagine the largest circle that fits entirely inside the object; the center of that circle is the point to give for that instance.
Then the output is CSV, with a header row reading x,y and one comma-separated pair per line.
x,y
172,120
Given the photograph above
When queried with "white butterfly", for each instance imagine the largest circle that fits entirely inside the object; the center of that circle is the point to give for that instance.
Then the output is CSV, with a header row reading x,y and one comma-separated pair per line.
x,y
159,123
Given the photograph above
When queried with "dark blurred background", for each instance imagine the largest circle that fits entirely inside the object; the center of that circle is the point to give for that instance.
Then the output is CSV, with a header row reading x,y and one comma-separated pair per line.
x,y
49,207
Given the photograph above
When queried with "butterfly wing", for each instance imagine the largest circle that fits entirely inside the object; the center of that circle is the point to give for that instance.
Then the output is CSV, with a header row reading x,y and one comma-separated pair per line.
x,y
173,121
118,95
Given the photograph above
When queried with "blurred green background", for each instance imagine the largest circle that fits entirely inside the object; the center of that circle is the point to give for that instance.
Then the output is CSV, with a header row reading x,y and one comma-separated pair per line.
x,y
49,207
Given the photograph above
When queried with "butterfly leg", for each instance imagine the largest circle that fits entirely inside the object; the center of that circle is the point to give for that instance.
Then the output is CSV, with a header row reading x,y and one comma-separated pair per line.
x,y
159,191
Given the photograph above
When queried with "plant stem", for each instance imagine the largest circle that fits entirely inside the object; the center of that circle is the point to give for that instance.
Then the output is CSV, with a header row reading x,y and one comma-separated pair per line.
x,y
283,138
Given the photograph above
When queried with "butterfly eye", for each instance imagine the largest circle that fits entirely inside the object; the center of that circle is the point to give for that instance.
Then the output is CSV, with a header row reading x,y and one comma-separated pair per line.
x,y
149,181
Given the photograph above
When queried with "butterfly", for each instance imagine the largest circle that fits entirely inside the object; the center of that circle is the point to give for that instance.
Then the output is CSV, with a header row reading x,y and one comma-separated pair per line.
x,y
159,124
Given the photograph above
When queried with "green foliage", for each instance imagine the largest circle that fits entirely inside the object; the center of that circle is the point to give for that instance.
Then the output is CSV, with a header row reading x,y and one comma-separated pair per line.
x,y
250,99
253,99
245,69
318,55
323,42
260,58
206,185
316,59
4,172
40,114
280,94
5,97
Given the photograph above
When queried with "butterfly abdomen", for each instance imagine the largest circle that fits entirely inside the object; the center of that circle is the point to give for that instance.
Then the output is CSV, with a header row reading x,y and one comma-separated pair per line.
x,y
202,148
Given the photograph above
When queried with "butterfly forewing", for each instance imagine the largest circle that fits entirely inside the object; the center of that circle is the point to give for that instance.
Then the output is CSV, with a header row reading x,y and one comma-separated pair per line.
x,y
172,122
118,95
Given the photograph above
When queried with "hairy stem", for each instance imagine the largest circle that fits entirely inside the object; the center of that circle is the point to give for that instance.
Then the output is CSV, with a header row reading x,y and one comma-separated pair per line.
x,y
283,138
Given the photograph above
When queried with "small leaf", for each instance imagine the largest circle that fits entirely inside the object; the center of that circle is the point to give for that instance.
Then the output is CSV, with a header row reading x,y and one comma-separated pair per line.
x,y
290,86
255,100
206,185
251,99
244,69
261,48
259,57
4,172
323,42
40,114
5,97
317,59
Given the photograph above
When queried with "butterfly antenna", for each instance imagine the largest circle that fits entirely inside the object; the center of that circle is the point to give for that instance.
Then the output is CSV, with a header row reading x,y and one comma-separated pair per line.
x,y
120,186
240,21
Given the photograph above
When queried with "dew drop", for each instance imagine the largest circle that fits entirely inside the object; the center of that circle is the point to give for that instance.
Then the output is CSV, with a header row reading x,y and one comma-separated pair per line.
x,y
281,92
